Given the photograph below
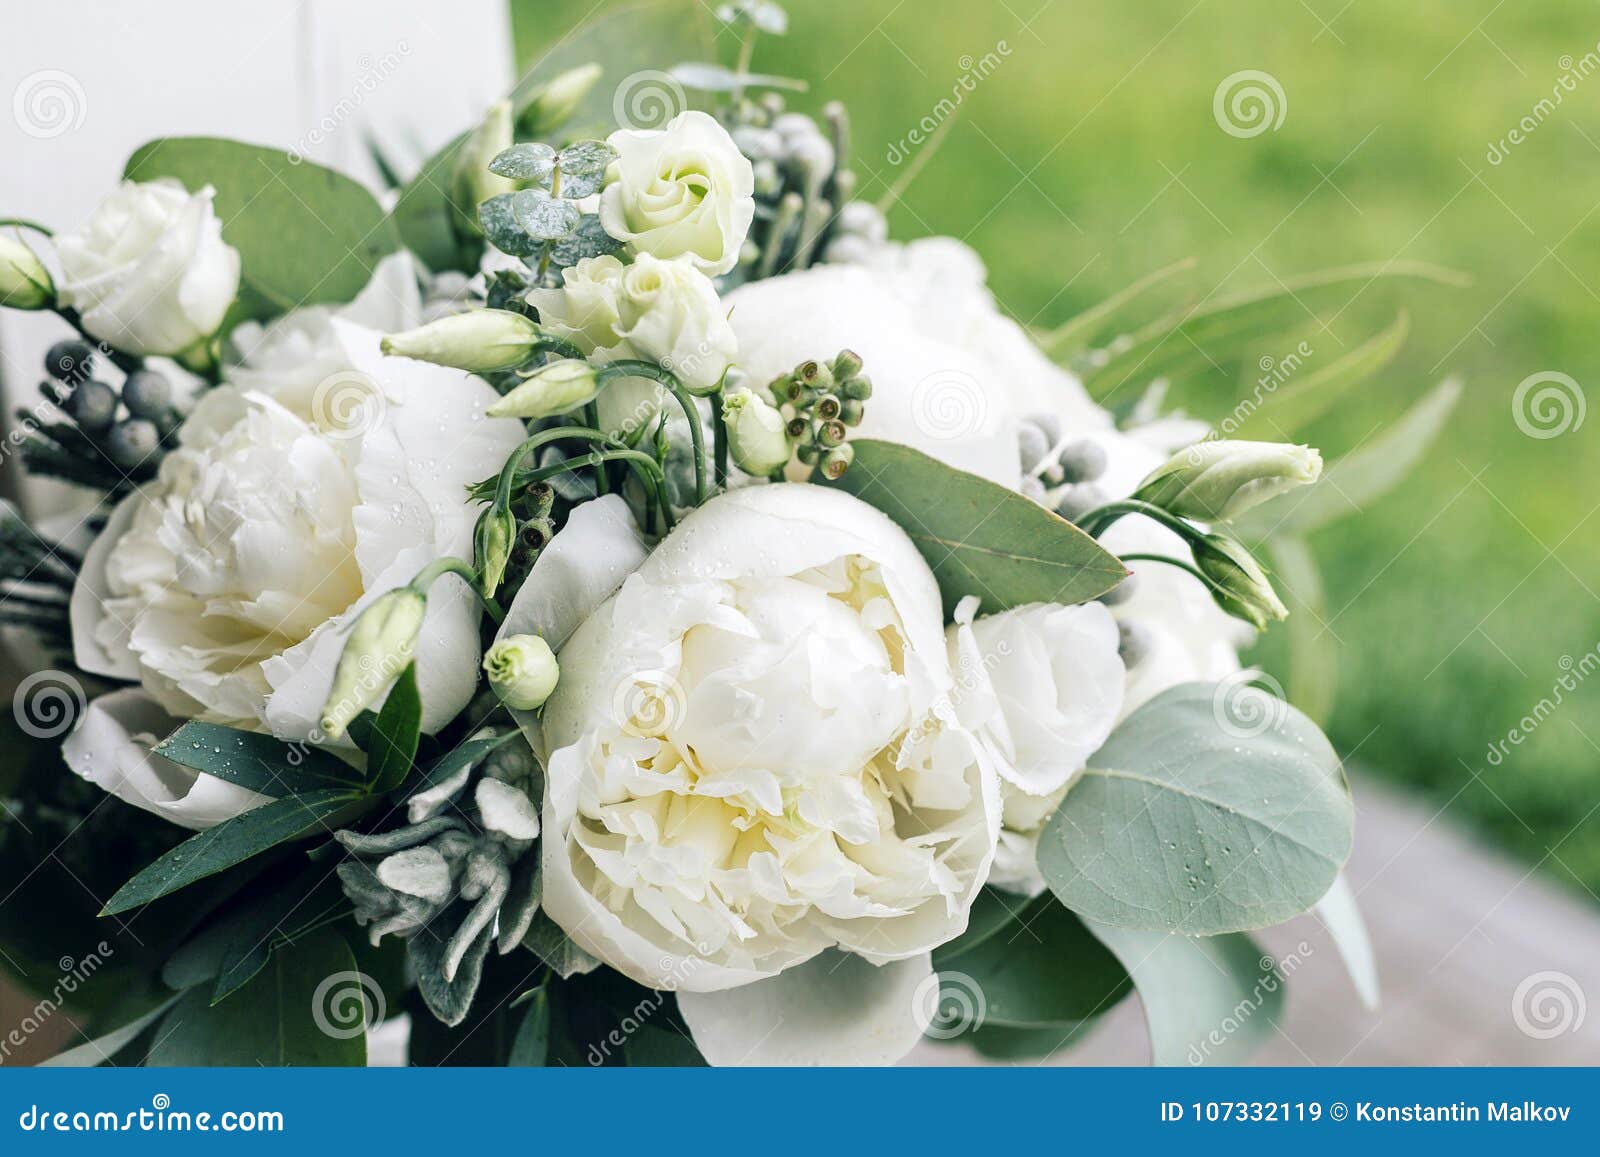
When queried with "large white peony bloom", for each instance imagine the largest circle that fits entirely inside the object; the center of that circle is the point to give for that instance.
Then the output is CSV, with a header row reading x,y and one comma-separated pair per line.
x,y
753,761
149,271
225,585
682,191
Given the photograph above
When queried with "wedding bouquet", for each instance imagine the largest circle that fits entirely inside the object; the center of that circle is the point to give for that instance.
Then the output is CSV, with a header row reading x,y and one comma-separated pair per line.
x,y
607,602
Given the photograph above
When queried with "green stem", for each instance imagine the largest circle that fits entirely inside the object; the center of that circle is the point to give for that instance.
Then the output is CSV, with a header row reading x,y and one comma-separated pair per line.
x,y
440,567
602,481
1170,561
549,343
24,223
697,436
719,440
1097,520
655,483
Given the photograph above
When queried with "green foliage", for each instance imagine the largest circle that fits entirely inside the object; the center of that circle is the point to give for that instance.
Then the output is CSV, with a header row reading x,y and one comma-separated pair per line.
x,y
392,747
978,537
255,761
1212,808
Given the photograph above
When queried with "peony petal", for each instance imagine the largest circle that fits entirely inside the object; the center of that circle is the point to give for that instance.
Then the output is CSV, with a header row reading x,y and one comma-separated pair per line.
x,y
87,610
835,1009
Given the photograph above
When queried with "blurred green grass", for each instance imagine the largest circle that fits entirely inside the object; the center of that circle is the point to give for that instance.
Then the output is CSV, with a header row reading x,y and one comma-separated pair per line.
x,y
1090,156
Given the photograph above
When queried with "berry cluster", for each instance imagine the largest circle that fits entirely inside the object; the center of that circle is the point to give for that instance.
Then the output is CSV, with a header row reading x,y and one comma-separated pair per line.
x,y
116,435
821,403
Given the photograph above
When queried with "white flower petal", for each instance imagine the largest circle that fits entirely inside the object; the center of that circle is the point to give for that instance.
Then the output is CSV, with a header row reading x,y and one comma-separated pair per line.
x,y
99,641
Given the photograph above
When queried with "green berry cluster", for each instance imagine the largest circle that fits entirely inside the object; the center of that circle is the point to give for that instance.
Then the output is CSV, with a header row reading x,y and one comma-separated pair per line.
x,y
821,402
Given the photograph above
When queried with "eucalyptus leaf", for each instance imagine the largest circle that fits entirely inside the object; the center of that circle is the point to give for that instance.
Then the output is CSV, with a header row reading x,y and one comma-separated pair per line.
x,y
1341,916
1043,969
284,1016
1208,1000
501,227
255,761
978,537
542,216
232,842
583,168
992,910
1003,1043
305,234
392,748
1212,808
443,234
590,239
528,161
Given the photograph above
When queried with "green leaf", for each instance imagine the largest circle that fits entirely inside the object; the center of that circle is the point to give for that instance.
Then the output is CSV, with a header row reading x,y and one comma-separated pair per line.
x,y
542,216
661,1048
441,233
1313,651
530,1048
1208,1000
104,1049
1362,476
992,910
255,761
232,842
1074,334
1290,408
501,227
1002,1043
529,161
1045,969
978,537
295,1012
583,168
392,747
463,754
1213,808
305,234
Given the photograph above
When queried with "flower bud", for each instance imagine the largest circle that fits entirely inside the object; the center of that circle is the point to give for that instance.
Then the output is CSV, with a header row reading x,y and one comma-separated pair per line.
x,y
480,341
24,281
491,542
559,99
1238,583
1220,479
378,649
472,183
553,389
522,670
756,434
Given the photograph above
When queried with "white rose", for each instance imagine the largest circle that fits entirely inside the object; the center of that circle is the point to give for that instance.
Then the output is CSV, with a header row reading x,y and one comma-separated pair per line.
x,y
682,191
225,585
149,272
660,311
950,374
755,777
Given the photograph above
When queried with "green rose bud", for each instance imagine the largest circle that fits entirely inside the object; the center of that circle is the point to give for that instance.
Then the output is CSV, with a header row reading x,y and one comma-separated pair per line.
x,y
557,101
480,342
522,670
1239,584
24,281
1218,480
379,648
472,183
756,435
492,542
557,388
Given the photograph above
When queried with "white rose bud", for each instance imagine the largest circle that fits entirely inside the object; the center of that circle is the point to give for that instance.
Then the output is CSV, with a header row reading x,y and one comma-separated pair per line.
x,y
379,647
557,101
522,670
149,272
479,341
682,191
1218,480
24,281
557,388
756,435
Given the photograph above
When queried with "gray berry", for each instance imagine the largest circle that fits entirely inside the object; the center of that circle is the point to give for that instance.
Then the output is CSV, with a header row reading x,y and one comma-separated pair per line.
x,y
93,406
132,441
1122,592
1076,501
147,394
1133,643
69,360
1032,445
1083,461
1047,422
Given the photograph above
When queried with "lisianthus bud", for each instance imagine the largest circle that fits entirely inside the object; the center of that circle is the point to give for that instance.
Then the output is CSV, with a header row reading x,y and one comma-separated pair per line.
x,y
553,389
556,101
756,434
378,649
1238,583
472,182
24,281
522,670
492,541
480,341
1221,479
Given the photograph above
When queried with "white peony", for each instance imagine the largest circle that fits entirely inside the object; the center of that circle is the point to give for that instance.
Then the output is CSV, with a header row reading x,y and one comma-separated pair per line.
x,y
149,272
682,191
755,776
950,374
225,585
